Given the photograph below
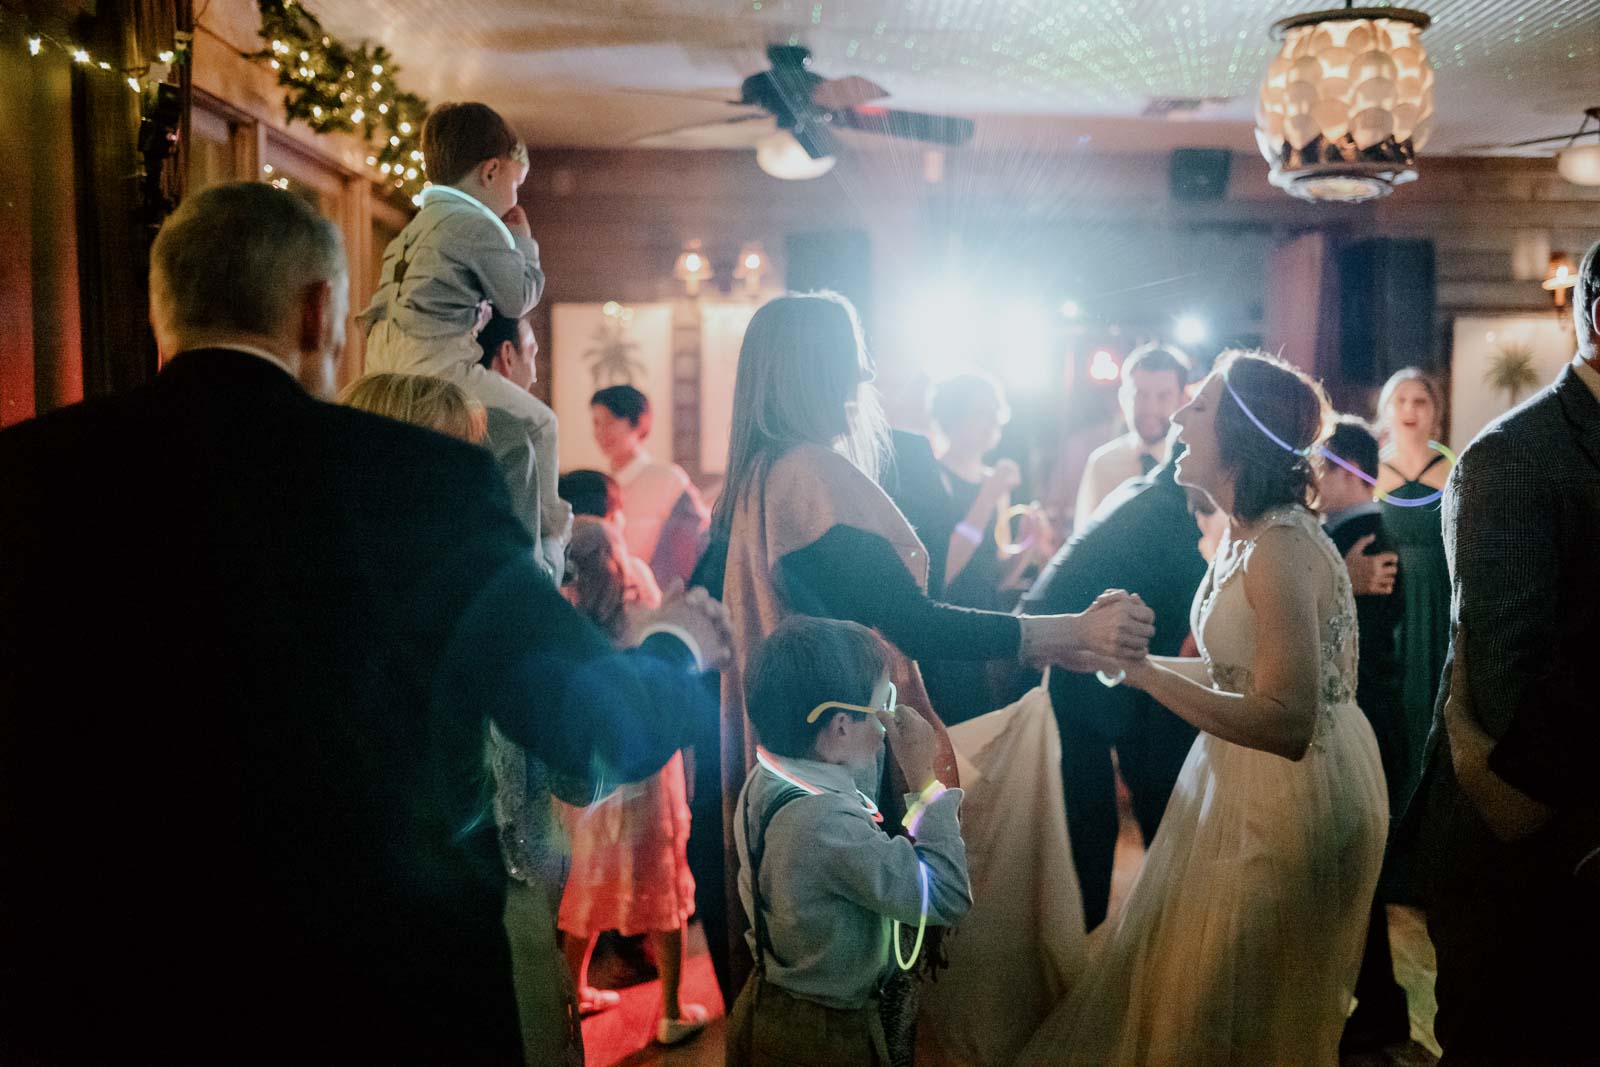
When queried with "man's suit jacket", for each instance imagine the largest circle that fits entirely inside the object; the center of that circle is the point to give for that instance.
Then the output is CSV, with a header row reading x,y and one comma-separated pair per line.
x,y
252,642
1147,542
913,482
1378,674
1521,525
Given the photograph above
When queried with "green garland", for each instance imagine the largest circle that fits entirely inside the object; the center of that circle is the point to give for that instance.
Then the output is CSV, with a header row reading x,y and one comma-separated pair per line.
x,y
333,87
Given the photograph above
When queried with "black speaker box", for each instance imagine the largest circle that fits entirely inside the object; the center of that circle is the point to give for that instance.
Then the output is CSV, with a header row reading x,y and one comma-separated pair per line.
x,y
1200,173
1386,306
840,260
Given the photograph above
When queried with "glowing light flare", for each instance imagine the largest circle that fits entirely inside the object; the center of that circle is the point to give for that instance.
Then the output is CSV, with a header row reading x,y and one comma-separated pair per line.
x,y
1190,329
1023,337
34,45
1070,309
80,56
1103,366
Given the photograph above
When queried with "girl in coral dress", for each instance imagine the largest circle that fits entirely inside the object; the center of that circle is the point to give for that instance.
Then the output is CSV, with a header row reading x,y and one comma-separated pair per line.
x,y
630,868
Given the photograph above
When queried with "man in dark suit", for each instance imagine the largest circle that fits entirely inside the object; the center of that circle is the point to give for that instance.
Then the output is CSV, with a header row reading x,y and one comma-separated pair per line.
x,y
1506,820
1354,523
252,644
1144,539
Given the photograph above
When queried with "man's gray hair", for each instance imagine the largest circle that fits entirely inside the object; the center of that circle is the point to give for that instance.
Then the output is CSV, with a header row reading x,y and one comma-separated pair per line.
x,y
238,257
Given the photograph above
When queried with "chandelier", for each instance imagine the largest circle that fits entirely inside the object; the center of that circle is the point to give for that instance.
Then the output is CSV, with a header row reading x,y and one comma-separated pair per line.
x,y
1347,103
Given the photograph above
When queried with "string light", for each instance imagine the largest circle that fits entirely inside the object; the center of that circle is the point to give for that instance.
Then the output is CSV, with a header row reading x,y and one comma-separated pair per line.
x,y
134,76
336,86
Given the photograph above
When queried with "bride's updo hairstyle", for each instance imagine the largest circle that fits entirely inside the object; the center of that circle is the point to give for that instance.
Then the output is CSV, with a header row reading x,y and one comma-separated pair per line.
x,y
1291,405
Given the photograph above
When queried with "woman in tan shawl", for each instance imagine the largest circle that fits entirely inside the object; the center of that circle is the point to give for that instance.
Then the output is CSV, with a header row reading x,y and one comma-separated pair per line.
x,y
808,531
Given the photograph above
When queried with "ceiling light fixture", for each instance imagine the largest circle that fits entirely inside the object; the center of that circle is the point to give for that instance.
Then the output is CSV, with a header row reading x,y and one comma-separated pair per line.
x,y
1580,163
781,156
1347,103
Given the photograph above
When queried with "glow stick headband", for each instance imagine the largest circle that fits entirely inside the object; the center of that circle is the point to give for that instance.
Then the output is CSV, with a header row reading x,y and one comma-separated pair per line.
x,y
1397,501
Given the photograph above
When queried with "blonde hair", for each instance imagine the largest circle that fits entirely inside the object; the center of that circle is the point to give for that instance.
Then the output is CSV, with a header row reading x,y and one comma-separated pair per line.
x,y
804,377
1421,377
432,403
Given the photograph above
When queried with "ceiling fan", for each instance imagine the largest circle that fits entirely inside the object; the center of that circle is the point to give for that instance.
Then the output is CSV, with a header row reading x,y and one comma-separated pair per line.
x,y
1578,163
812,108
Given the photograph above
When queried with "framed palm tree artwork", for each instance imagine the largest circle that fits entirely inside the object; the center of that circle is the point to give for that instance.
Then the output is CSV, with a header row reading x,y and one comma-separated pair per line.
x,y
1499,361
599,345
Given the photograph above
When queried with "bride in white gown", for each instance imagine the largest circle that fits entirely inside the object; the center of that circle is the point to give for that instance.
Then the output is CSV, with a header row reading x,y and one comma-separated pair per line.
x,y
1240,941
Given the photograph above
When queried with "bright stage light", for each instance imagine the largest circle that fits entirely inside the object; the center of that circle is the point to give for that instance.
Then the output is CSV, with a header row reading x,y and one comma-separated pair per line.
x,y
1022,346
1070,309
1191,329
941,331
1103,366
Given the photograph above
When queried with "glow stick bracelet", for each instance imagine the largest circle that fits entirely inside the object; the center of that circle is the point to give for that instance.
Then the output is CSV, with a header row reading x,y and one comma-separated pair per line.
x,y
922,924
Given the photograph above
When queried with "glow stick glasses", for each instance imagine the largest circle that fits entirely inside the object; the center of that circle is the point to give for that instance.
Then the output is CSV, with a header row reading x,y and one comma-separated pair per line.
x,y
886,706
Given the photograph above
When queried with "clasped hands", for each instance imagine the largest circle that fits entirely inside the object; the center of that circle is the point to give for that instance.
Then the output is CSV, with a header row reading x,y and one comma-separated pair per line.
x,y
1112,634
699,615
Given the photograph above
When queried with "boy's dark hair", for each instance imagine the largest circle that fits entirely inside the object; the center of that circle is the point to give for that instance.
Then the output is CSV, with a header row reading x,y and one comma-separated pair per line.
x,y
457,137
625,402
803,663
590,493
496,332
1352,440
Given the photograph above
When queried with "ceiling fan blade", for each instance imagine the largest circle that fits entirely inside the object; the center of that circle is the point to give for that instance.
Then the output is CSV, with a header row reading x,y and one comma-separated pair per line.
x,y
702,97
912,125
838,93
751,117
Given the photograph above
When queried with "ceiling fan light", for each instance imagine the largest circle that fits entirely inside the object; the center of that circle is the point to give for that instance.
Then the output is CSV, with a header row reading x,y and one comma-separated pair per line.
x,y
781,156
1580,165
1346,103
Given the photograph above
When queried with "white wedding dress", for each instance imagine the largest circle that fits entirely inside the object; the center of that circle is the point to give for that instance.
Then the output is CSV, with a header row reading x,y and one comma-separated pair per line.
x,y
1240,941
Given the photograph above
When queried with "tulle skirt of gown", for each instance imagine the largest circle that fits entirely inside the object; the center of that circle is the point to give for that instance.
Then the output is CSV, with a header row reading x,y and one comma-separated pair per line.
x,y
1021,947
1240,941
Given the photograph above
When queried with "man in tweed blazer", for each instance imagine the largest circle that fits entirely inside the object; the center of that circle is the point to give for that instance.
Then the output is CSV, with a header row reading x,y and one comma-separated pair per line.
x,y
1507,819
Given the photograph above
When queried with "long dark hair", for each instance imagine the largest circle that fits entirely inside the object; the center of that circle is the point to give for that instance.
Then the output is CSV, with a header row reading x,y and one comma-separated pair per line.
x,y
1293,407
804,377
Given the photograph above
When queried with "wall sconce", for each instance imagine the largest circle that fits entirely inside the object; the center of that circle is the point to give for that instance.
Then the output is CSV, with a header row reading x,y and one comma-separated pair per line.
x,y
693,267
1560,278
752,265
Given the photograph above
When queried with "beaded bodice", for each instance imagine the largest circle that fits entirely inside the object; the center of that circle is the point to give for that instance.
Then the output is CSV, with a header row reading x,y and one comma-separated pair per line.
x,y
1224,623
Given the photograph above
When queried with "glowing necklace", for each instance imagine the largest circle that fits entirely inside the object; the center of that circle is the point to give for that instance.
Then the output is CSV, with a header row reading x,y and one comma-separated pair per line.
x,y
1389,498
772,766
922,923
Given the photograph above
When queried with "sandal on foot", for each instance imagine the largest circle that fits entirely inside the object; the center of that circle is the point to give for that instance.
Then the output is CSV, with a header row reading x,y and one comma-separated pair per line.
x,y
676,1031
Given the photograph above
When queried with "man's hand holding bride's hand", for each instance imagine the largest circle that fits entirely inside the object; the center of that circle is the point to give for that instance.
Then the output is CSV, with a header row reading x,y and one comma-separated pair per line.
x,y
1115,629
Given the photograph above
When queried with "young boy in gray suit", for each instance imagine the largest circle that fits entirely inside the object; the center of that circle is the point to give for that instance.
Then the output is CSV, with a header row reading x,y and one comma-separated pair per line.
x,y
819,877
467,254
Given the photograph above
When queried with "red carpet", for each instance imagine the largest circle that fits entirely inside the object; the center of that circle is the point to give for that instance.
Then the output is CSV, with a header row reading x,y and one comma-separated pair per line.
x,y
626,1033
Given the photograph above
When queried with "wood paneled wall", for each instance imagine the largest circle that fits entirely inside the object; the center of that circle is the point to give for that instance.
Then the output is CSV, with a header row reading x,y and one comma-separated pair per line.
x,y
611,223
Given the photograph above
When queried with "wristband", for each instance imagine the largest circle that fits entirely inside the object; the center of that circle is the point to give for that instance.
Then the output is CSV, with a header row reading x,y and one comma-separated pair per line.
x,y
970,532
931,792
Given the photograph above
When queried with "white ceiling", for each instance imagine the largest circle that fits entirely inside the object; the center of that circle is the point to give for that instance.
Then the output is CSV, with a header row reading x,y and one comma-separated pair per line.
x,y
591,72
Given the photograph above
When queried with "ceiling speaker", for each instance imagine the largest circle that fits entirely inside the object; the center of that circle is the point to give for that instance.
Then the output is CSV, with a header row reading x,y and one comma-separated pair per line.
x,y
1200,173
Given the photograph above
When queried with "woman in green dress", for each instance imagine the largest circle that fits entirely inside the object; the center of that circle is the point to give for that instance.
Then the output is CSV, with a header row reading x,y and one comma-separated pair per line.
x,y
1410,410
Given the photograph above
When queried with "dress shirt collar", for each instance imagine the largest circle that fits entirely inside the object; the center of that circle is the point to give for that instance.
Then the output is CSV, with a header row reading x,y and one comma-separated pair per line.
x,y
1588,373
251,350
1366,507
633,468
